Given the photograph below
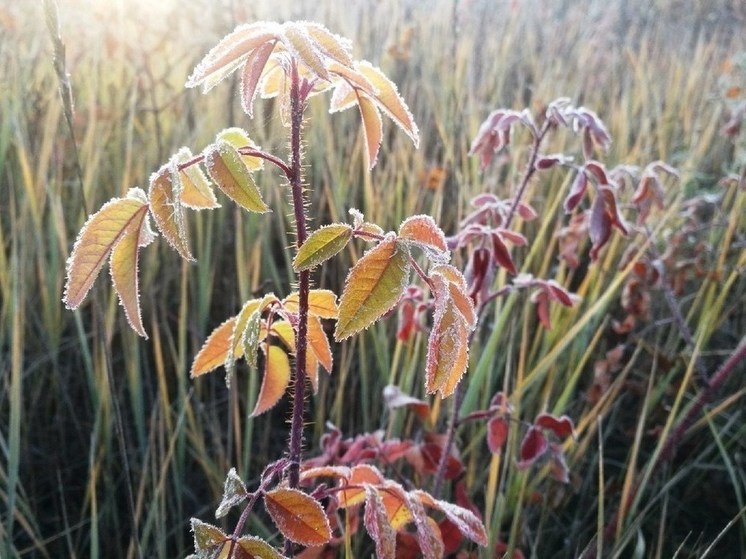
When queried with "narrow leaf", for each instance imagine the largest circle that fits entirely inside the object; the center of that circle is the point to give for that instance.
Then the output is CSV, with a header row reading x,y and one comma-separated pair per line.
x,y
228,170
298,516
448,350
319,343
428,536
372,287
123,266
276,379
334,46
96,239
165,205
251,74
389,100
299,43
372,129
321,245
378,526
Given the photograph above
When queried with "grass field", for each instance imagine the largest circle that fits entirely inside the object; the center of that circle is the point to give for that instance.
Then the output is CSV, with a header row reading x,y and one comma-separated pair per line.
x,y
107,448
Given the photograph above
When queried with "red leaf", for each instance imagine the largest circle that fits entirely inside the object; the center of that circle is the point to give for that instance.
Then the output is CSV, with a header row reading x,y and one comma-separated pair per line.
x,y
577,191
560,426
533,446
395,398
599,227
497,433
501,254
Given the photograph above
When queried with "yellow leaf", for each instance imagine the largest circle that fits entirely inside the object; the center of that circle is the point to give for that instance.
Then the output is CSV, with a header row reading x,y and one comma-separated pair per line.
x,y
319,343
298,516
276,379
304,49
196,192
256,548
239,138
165,206
395,502
321,303
372,129
283,330
360,475
233,177
123,266
96,239
389,100
373,287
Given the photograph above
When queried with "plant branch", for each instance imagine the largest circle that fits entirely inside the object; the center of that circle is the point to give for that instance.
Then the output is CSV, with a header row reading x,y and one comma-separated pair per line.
x,y
246,150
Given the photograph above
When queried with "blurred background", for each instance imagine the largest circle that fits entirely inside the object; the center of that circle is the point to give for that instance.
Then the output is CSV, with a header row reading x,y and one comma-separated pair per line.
x,y
107,448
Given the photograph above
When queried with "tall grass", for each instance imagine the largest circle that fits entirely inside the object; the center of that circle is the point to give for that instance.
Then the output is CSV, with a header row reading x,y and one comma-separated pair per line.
x,y
108,448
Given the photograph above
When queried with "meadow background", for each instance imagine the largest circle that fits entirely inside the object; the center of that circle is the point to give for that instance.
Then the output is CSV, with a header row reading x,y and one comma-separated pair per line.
x,y
107,448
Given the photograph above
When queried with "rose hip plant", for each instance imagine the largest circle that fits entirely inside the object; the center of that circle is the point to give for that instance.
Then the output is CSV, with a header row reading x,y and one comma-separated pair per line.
x,y
283,336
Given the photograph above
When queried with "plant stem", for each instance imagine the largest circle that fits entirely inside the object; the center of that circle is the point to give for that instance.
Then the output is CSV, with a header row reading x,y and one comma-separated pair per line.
x,y
297,104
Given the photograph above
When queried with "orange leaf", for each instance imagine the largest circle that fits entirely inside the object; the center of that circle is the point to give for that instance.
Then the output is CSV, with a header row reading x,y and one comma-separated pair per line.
x,y
395,502
389,100
422,230
360,475
275,381
255,548
252,73
312,369
96,239
284,330
448,350
123,266
373,286
341,472
464,304
372,129
319,343
298,516
215,350
164,196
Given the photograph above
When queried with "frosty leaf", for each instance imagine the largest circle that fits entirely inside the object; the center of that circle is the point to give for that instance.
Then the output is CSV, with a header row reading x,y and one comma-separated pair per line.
x,y
300,44
321,245
123,266
230,53
276,379
250,311
452,274
562,427
251,338
501,254
196,192
321,303
497,433
423,231
251,74
274,81
389,101
250,547
228,170
599,227
206,536
215,349
533,446
319,343
372,287
284,330
312,369
343,98
96,239
164,197
396,503
464,304
360,475
239,138
234,492
372,129
577,191
333,46
428,534
448,350
298,516
378,526
465,520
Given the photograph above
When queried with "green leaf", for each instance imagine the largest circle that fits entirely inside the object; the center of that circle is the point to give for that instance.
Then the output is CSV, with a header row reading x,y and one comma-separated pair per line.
x,y
207,537
373,286
321,245
239,138
233,177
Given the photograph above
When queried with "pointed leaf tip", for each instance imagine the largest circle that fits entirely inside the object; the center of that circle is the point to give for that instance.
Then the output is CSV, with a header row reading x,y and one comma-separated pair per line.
x,y
298,516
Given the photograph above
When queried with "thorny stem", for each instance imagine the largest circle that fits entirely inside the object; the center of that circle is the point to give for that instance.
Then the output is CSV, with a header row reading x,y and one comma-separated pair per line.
x,y
458,398
295,447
